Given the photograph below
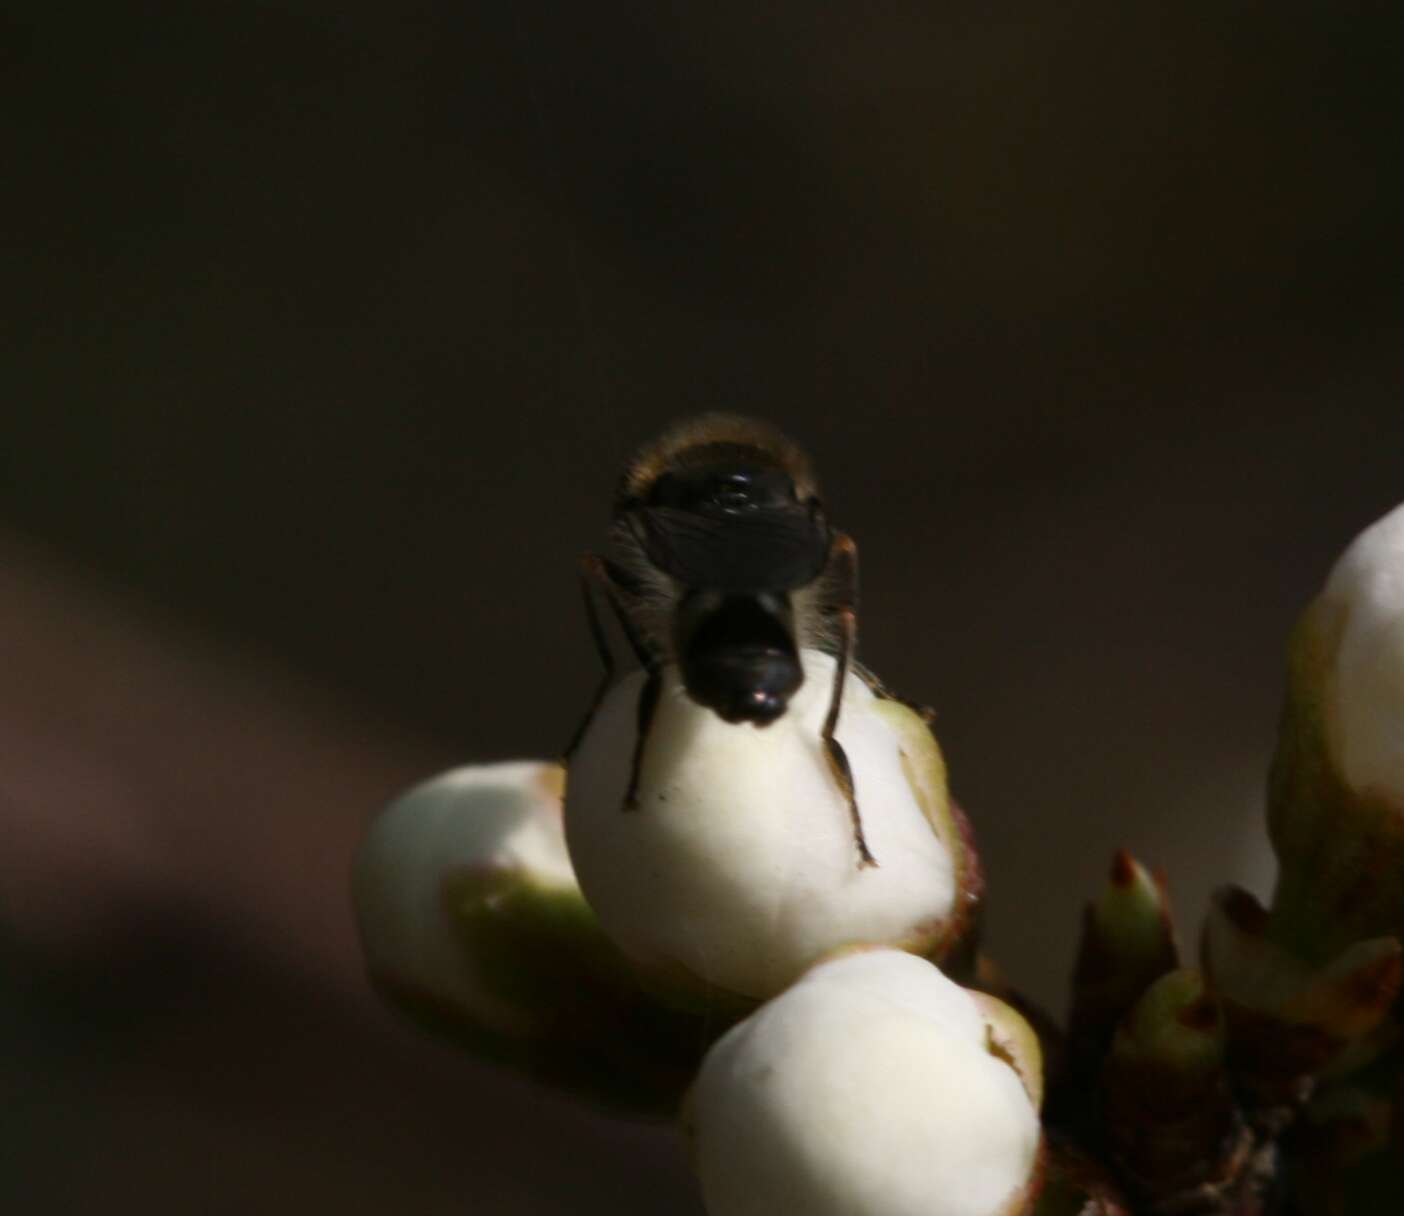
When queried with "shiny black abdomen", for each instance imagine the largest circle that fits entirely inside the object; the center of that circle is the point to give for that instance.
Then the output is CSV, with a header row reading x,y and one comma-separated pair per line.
x,y
738,655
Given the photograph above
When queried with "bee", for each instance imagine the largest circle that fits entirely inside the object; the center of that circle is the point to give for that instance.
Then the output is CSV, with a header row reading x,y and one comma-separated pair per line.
x,y
723,561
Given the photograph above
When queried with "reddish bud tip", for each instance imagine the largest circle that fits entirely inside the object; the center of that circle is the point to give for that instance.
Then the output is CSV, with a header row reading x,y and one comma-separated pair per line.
x,y
1123,869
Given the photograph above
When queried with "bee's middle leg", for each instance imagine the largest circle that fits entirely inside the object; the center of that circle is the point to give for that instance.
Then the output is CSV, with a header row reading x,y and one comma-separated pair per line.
x,y
596,572
592,571
648,704
845,558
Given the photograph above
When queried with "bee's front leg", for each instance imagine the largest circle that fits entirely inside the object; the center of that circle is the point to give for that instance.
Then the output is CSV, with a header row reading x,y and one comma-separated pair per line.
x,y
648,703
844,559
595,573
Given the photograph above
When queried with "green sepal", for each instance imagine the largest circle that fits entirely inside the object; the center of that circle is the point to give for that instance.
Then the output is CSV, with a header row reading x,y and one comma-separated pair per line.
x,y
1128,942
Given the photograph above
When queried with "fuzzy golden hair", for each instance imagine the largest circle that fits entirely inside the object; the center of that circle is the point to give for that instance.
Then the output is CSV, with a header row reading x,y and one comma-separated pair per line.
x,y
709,430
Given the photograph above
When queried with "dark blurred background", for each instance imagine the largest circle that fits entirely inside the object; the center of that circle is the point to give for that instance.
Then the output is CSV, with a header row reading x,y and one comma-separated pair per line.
x,y
326,328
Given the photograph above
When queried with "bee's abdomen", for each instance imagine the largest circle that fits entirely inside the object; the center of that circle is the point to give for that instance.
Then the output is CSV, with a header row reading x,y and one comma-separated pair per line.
x,y
738,655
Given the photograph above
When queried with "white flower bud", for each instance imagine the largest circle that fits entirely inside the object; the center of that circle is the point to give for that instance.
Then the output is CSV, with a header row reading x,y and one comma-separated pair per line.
x,y
873,1085
1366,692
448,847
1336,801
738,867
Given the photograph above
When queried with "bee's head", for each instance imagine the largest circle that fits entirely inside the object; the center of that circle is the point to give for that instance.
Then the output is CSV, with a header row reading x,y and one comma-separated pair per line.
x,y
718,464
726,504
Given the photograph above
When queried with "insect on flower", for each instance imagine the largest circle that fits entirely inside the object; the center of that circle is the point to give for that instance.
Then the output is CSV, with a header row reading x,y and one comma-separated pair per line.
x,y
723,562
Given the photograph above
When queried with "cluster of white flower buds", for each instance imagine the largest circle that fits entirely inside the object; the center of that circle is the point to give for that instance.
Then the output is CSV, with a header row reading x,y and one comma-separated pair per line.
x,y
689,923
858,1076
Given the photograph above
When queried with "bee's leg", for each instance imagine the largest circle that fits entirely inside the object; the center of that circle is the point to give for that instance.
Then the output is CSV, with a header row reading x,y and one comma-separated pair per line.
x,y
594,572
845,559
838,759
648,703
